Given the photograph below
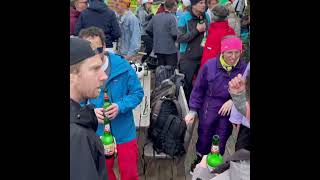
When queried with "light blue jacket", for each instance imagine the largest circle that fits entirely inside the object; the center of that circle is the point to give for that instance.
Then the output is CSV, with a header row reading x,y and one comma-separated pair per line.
x,y
124,89
130,40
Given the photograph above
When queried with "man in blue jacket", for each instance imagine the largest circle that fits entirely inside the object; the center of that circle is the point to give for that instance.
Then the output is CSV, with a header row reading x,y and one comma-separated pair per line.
x,y
98,14
125,93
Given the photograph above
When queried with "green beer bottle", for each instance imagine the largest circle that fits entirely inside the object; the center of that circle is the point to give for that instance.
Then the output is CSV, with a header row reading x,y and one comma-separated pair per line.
x,y
214,158
107,138
105,106
108,143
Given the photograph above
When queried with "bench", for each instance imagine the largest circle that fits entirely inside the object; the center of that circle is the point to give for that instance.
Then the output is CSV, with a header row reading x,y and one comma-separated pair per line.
x,y
171,168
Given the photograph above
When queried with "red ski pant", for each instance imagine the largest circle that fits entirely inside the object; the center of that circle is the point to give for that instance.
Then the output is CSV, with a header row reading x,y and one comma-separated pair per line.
x,y
127,161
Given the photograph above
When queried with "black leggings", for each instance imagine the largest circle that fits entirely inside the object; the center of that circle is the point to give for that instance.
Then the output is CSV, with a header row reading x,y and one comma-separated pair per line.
x,y
148,41
168,59
189,68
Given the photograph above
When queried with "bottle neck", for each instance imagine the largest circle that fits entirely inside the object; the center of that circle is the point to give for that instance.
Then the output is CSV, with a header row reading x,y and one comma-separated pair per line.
x,y
106,132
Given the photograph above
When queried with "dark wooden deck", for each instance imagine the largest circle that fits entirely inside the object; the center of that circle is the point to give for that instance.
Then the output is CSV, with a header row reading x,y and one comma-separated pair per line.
x,y
163,169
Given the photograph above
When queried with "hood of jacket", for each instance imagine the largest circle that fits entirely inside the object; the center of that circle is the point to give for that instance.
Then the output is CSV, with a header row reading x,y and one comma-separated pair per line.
x,y
97,6
83,116
118,65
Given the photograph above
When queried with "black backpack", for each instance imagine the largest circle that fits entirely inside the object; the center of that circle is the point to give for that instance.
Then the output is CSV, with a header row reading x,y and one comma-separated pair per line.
x,y
178,79
167,128
166,89
172,137
163,73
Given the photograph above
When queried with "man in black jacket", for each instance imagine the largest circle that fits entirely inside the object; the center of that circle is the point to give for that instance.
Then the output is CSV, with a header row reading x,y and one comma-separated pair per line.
x,y
98,14
87,159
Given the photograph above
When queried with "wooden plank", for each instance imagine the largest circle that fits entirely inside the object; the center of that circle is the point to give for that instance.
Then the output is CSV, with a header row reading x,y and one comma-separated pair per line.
x,y
191,154
141,137
179,168
145,105
183,102
165,169
142,112
152,169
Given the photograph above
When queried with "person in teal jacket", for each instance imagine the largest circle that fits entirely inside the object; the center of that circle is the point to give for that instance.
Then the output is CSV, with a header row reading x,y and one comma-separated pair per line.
x,y
125,93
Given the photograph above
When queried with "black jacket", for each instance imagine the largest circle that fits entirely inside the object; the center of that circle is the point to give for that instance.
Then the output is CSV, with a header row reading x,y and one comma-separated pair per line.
x,y
98,14
193,38
87,160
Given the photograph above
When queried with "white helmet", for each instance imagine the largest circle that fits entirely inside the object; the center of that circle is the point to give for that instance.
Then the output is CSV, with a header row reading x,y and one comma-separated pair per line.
x,y
145,1
186,3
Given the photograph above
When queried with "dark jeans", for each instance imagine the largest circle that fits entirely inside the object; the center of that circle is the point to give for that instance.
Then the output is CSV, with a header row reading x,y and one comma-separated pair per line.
x,y
148,41
167,59
243,139
189,68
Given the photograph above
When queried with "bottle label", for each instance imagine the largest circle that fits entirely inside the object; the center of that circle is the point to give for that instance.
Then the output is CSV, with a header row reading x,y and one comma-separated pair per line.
x,y
210,168
108,149
214,149
107,128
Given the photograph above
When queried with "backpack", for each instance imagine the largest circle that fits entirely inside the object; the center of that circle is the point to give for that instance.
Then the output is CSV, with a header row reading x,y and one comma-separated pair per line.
x,y
162,73
178,79
167,128
171,139
166,89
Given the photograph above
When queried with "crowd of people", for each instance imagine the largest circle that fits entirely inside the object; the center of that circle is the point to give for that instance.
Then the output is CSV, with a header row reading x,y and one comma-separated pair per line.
x,y
207,41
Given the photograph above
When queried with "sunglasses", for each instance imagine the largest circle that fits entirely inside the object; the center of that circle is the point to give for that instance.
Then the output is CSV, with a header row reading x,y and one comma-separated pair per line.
x,y
99,50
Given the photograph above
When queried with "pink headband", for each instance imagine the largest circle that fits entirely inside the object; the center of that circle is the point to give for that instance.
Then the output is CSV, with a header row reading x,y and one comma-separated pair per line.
x,y
231,44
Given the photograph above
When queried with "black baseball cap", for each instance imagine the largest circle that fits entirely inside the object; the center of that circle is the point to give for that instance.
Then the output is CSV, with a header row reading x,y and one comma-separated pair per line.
x,y
80,50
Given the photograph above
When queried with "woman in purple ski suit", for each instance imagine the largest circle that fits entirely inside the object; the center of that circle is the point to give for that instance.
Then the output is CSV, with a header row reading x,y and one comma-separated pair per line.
x,y
210,97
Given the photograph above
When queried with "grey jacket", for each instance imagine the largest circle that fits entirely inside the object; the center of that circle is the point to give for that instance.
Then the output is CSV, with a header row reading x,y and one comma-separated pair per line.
x,y
239,100
164,29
